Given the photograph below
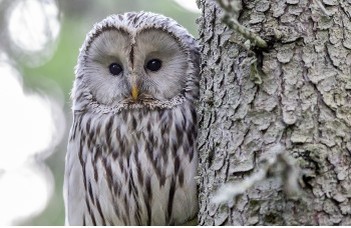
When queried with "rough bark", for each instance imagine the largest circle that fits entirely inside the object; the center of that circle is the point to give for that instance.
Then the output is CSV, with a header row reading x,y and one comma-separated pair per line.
x,y
303,103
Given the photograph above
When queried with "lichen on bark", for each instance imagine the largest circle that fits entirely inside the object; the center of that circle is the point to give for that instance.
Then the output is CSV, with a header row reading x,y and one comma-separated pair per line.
x,y
303,103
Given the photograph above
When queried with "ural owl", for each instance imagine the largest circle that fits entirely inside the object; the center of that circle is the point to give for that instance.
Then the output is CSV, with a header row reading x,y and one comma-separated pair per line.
x,y
132,157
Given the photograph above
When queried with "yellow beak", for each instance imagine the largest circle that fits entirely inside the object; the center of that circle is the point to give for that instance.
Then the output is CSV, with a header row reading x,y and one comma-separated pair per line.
x,y
135,92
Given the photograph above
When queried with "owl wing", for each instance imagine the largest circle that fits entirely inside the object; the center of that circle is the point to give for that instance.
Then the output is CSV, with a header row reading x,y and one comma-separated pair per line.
x,y
73,194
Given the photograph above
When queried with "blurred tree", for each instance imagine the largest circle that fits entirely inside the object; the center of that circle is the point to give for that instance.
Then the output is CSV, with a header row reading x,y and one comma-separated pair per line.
x,y
289,99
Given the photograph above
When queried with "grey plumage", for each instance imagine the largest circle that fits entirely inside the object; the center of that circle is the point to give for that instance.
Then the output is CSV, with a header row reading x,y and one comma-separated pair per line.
x,y
132,157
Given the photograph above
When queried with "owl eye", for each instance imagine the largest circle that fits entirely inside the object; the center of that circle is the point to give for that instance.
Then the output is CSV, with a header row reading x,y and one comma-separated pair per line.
x,y
154,65
115,68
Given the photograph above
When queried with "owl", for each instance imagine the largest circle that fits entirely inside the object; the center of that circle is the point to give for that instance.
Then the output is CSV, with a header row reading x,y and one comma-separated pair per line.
x,y
131,156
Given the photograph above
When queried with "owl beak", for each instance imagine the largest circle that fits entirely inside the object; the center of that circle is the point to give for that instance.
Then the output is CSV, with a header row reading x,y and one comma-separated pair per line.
x,y
135,92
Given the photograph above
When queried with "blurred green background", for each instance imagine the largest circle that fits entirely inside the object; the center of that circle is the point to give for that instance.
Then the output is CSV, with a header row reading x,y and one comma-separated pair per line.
x,y
54,78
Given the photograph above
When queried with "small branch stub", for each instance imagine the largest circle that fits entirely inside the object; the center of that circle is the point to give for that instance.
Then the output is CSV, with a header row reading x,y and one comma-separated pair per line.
x,y
289,174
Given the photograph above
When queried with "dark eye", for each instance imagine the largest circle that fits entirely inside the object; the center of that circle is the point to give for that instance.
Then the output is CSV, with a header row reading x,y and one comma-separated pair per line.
x,y
115,69
154,64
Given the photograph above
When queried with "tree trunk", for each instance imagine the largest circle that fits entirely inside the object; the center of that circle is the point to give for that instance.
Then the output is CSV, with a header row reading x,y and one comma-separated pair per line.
x,y
302,104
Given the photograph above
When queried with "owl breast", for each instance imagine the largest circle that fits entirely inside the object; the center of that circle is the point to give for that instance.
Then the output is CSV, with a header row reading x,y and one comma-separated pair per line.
x,y
135,167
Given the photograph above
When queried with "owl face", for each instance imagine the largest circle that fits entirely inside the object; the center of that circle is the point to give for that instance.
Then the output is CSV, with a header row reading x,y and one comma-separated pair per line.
x,y
136,58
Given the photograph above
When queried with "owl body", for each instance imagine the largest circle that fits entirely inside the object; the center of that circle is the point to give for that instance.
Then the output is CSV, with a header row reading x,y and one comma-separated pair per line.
x,y
132,157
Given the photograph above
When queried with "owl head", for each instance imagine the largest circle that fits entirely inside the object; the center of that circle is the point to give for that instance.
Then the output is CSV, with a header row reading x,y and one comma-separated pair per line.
x,y
135,60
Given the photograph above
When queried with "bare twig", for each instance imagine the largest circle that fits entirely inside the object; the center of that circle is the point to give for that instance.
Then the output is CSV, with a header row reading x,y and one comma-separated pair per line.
x,y
324,10
231,9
